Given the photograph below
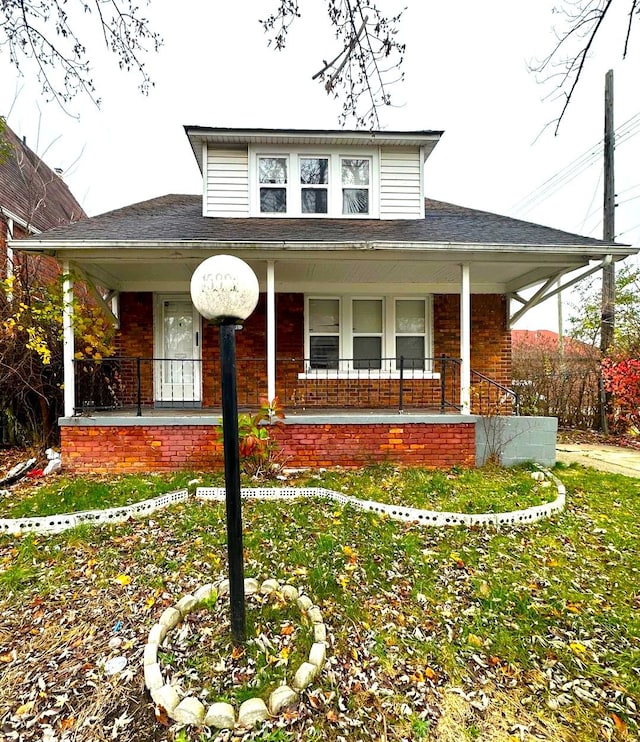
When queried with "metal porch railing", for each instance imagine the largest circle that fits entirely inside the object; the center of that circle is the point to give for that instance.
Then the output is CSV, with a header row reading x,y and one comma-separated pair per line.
x,y
137,383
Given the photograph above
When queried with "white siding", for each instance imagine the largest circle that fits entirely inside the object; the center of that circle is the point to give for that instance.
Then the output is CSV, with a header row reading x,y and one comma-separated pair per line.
x,y
227,183
400,183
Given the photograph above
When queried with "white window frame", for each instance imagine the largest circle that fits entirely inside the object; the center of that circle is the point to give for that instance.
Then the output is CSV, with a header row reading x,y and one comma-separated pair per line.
x,y
273,186
345,344
294,187
328,186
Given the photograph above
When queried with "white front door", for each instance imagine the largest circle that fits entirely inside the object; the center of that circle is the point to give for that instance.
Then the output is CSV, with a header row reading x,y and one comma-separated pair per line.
x,y
177,368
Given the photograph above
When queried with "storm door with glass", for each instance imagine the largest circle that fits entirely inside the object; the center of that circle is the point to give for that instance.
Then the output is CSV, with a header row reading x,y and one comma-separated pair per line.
x,y
177,364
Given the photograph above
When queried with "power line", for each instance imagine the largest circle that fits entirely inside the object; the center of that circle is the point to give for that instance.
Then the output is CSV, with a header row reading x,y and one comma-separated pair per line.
x,y
583,162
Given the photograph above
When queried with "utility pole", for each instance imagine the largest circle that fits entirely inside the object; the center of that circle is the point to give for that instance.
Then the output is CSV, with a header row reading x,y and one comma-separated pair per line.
x,y
607,317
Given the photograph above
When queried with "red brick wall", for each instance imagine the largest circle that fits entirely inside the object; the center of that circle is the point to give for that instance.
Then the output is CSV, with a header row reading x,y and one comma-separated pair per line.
x,y
42,266
166,448
490,354
490,336
135,339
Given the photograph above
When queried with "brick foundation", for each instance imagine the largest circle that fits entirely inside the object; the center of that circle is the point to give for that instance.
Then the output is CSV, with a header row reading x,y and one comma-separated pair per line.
x,y
146,448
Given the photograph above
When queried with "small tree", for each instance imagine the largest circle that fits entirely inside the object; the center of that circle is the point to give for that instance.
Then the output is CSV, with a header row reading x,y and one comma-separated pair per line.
x,y
31,353
622,379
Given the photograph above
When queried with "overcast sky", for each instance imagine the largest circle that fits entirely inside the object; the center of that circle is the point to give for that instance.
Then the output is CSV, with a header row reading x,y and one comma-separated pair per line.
x,y
466,73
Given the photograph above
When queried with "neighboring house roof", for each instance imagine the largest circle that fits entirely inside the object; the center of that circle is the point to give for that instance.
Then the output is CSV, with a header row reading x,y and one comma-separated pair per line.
x,y
536,340
178,218
33,193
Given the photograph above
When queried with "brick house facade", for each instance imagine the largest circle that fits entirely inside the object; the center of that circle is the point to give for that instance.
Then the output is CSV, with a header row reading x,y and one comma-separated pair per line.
x,y
383,323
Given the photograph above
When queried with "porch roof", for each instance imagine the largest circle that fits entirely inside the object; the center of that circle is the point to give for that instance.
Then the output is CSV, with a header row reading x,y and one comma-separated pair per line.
x,y
155,246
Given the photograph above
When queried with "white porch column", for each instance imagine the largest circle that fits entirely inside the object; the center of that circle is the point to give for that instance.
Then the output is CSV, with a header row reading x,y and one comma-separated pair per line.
x,y
271,330
68,349
465,340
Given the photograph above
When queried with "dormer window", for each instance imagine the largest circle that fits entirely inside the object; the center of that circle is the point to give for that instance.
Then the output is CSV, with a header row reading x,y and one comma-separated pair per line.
x,y
307,183
314,182
356,181
273,184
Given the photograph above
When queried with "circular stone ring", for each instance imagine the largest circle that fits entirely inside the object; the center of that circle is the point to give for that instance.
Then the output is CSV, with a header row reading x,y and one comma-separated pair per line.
x,y
189,710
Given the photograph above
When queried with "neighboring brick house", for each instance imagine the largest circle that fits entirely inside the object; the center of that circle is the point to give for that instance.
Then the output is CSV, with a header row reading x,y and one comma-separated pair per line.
x,y
384,318
33,198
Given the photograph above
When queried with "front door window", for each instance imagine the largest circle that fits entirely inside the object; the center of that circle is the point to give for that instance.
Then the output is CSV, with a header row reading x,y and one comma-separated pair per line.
x,y
177,365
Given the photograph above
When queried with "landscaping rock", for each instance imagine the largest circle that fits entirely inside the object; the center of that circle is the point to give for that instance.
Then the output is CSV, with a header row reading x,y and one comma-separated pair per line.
x,y
269,586
251,586
153,676
167,697
223,587
150,654
304,676
304,602
220,715
314,614
252,711
186,604
189,711
170,618
289,592
281,698
318,654
206,592
157,634
319,632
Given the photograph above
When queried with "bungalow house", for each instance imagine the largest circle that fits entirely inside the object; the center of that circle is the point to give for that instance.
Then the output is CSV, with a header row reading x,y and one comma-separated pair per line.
x,y
383,324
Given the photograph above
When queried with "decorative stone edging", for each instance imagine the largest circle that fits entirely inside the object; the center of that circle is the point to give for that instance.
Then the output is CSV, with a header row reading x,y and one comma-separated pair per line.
x,y
222,715
437,518
59,523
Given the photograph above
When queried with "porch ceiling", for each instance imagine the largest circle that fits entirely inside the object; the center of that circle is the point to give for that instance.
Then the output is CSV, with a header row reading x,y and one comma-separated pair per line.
x,y
392,270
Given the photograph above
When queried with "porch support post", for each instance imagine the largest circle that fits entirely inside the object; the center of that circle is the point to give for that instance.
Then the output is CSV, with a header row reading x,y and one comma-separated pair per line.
x,y
68,349
271,331
465,340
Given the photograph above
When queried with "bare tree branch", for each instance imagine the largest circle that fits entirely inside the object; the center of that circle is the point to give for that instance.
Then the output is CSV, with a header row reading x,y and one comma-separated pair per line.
x,y
43,32
370,60
565,64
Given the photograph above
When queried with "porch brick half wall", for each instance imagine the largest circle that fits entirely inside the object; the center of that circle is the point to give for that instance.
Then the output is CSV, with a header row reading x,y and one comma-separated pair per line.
x,y
127,448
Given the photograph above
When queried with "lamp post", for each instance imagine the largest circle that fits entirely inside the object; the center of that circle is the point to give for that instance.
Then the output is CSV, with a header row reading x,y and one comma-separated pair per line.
x,y
224,289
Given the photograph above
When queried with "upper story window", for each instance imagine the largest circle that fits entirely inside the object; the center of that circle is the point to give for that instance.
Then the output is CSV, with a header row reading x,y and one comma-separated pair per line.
x,y
356,181
314,182
272,172
308,183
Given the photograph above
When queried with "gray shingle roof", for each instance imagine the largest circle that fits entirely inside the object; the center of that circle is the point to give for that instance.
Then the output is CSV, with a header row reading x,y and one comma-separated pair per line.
x,y
30,190
178,218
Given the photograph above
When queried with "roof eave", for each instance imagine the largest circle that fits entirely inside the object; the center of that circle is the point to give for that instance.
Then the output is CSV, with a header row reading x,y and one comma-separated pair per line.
x,y
590,252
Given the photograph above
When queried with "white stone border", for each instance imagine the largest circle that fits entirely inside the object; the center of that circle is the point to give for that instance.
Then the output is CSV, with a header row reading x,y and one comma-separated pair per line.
x,y
188,709
437,518
59,523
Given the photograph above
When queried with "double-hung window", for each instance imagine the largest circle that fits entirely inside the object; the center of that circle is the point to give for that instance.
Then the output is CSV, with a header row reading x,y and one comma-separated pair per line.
x,y
367,335
272,174
411,331
324,333
306,183
356,182
314,185
374,334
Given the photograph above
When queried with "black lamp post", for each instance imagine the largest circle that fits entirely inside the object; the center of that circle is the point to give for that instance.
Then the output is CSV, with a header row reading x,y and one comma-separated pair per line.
x,y
224,289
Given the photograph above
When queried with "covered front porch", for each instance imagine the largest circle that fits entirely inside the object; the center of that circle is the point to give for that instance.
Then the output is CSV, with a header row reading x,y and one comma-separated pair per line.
x,y
383,340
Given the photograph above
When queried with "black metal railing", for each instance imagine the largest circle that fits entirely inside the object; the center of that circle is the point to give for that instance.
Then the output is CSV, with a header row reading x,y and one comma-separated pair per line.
x,y
137,383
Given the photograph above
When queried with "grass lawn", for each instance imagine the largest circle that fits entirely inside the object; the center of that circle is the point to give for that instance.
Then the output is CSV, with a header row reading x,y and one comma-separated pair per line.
x,y
519,633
